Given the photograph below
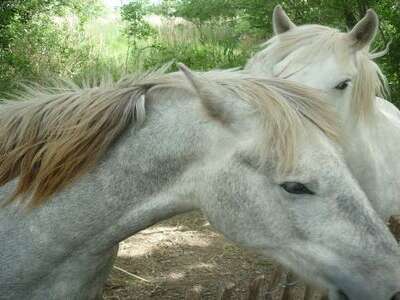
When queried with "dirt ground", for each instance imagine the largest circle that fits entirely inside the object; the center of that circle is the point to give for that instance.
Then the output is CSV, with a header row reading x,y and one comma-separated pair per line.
x,y
180,254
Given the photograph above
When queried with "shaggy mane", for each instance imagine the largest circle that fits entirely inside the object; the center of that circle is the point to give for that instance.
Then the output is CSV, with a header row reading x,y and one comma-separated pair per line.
x,y
51,136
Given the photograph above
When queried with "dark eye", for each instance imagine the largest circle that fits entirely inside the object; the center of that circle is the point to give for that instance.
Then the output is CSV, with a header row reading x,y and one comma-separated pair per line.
x,y
296,188
343,85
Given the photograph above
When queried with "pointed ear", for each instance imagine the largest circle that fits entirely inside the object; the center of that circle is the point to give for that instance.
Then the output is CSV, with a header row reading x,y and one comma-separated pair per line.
x,y
212,101
281,21
364,32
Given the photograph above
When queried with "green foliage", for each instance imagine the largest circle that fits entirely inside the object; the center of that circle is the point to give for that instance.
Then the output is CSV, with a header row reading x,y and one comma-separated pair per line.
x,y
165,8
197,56
46,38
43,37
133,13
203,10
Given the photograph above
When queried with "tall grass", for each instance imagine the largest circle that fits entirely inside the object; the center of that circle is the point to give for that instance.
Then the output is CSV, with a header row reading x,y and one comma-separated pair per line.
x,y
61,47
212,45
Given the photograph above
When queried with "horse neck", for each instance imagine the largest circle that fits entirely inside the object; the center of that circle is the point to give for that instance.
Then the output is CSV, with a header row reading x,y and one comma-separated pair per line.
x,y
136,185
370,145
257,65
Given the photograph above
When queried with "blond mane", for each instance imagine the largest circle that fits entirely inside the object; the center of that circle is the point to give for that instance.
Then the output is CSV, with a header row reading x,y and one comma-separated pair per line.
x,y
49,137
312,42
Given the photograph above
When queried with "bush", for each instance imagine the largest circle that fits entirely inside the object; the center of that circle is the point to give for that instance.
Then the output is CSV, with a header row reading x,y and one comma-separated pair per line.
x,y
43,39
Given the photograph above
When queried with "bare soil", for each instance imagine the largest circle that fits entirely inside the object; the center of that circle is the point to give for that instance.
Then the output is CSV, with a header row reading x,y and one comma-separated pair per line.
x,y
180,254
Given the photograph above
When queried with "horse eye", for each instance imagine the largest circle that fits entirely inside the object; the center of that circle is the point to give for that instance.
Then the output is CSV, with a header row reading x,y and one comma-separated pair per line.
x,y
343,85
296,188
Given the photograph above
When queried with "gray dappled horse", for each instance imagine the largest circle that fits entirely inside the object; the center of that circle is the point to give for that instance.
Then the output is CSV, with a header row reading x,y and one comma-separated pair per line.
x,y
84,168
341,66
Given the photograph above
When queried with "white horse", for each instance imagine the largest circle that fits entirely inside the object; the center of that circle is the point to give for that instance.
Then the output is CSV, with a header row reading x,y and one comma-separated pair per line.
x,y
340,65
83,169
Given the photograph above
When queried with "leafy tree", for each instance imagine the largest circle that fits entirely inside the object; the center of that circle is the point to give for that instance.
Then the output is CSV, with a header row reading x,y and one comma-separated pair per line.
x,y
133,13
201,11
165,8
31,43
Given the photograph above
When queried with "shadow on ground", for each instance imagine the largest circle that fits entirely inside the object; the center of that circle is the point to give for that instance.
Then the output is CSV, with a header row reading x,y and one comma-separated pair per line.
x,y
177,255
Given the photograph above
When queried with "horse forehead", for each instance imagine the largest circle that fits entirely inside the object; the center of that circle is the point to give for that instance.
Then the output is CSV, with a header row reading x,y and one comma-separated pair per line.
x,y
318,153
323,73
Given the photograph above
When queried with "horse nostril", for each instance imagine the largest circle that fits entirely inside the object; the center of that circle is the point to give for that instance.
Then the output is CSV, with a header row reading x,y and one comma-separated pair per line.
x,y
396,296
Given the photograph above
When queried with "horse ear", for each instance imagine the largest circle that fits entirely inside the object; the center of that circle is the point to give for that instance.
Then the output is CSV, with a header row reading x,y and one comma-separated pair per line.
x,y
281,21
207,91
364,32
